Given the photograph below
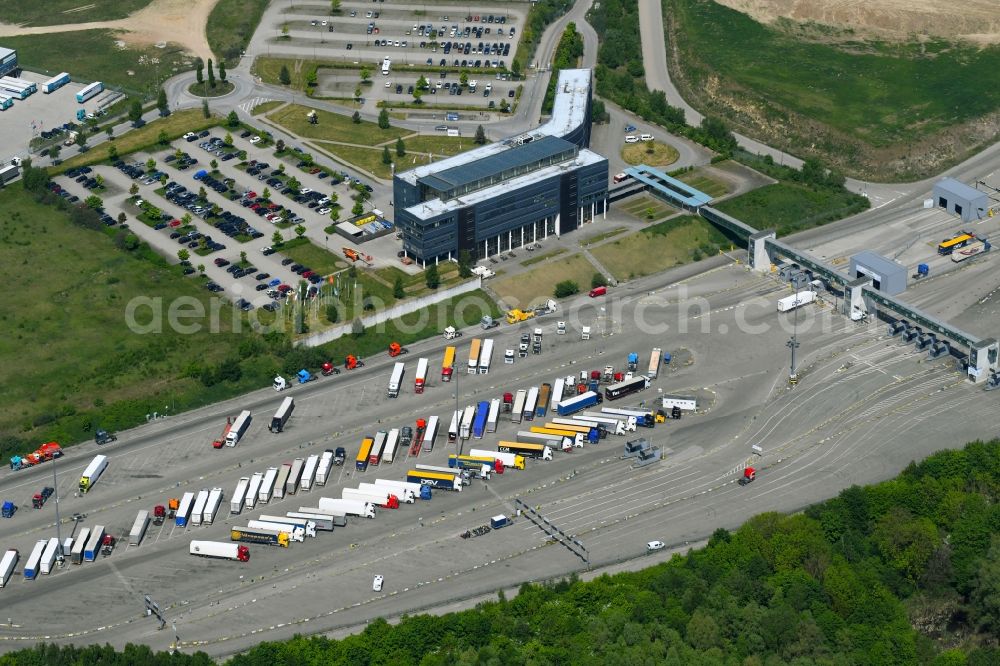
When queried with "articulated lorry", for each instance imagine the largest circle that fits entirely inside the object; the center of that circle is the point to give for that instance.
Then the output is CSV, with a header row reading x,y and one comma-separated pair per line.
x,y
184,510
526,450
619,425
349,507
479,420
643,417
307,526
508,459
337,517
94,543
476,463
409,489
320,522
592,432
281,416
420,378
93,472
627,387
796,300
266,537
578,403
561,441
238,428
439,480
294,533
396,379
406,496
382,499
220,550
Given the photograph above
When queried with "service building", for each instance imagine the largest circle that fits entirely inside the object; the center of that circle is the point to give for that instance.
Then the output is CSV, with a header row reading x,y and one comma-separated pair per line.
x,y
960,199
507,194
8,62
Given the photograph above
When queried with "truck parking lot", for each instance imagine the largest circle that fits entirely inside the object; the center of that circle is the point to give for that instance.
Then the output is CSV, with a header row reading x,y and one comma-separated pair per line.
x,y
883,416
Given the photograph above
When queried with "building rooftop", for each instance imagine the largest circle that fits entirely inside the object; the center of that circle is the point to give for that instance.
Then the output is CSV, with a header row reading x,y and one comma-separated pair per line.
x,y
670,187
498,166
434,207
4,52
960,189
568,111
877,262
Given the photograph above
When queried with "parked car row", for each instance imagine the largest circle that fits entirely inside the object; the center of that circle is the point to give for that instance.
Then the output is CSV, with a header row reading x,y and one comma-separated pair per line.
x,y
181,163
218,147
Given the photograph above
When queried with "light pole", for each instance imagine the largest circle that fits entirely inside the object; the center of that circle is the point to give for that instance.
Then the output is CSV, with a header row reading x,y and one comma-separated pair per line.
x,y
55,491
793,342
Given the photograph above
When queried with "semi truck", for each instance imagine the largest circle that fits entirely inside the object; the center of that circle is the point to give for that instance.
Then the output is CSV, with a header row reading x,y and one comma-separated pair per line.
x,y
474,350
404,495
33,566
198,510
239,428
479,421
94,543
349,507
253,489
614,423
395,379
267,537
307,526
267,485
654,363
448,364
430,433
361,462
485,356
378,445
7,564
410,489
239,496
440,480
508,459
323,467
319,521
296,534
561,439
381,499
627,387
220,550
215,497
309,472
493,415
420,378
456,419
49,556
476,463
643,417
184,510
530,402
93,472
465,427
391,444
542,404
591,432
294,476
337,518
517,410
578,403
281,481
138,530
796,300
526,449
281,416
76,553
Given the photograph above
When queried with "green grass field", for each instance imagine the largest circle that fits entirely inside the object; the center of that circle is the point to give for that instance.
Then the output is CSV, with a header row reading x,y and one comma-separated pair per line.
x,y
661,246
92,55
880,93
231,25
439,146
704,183
790,207
369,159
58,12
304,252
645,207
332,126
538,284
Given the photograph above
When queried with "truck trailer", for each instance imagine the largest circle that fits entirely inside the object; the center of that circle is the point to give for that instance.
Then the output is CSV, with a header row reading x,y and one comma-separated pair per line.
x,y
430,433
406,488
485,356
215,496
308,527
448,364
578,403
323,467
493,416
253,490
509,460
33,566
476,463
396,379
654,363
530,402
93,472
262,536
309,472
138,530
627,387
643,417
361,462
517,408
49,556
526,449
465,427
267,485
474,350
479,421
438,480
7,564
239,496
239,427
405,495
198,510
294,476
796,300
281,481
557,439
391,444
76,553
184,510
94,543
337,517
381,499
349,507
281,416
220,550
557,394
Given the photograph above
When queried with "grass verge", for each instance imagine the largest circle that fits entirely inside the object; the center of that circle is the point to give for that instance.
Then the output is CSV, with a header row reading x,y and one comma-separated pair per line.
x,y
369,159
704,183
204,90
597,238
332,126
538,284
59,12
670,243
265,107
661,154
539,258
95,56
790,207
305,252
231,25
438,146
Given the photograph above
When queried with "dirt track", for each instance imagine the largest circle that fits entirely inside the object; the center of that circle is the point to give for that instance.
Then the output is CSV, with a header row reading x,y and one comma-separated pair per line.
x,y
178,21
973,20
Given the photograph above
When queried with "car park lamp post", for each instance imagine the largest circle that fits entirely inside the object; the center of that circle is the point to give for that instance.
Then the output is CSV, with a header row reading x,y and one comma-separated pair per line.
x,y
55,491
793,342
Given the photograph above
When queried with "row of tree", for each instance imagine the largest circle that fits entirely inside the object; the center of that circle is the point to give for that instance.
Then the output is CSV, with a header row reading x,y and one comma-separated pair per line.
x,y
902,572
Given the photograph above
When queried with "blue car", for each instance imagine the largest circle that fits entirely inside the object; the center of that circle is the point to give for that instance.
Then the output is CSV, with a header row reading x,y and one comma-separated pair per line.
x,y
274,283
630,128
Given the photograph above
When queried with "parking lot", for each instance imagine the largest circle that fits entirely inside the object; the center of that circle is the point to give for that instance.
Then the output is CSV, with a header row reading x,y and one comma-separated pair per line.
x,y
215,215
487,91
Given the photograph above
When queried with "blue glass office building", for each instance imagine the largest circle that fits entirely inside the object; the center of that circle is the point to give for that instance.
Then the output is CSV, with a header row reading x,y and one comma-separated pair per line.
x,y
8,62
507,194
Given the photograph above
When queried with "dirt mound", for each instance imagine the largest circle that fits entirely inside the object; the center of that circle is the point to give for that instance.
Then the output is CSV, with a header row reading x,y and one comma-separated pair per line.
x,y
972,20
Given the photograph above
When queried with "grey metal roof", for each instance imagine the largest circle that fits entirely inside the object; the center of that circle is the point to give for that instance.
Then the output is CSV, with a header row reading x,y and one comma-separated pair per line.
x,y
877,262
4,52
959,189
493,165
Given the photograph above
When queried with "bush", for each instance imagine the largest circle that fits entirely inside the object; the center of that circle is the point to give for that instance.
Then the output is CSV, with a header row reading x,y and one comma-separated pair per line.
x,y
598,281
332,315
566,288
432,277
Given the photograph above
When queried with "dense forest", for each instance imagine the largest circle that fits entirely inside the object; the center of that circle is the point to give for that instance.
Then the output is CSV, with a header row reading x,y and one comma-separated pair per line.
x,y
903,572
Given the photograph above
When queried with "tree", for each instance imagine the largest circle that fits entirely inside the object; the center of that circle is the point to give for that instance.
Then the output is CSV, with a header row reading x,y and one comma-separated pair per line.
x,y
418,96
358,208
400,147
422,83
134,190
598,280
112,153
281,168
365,74
480,135
397,288
504,106
222,71
464,79
276,238
56,149
81,140
566,288
228,139
186,220
284,76
161,102
432,277
357,95
202,194
357,328
356,117
465,264
183,254
383,119
204,109
515,69
109,130
135,111
122,218
985,592
332,315
243,257
293,184
162,138
300,230
232,120
650,147
99,179
284,29
334,7
266,193
198,73
214,164
93,202
386,155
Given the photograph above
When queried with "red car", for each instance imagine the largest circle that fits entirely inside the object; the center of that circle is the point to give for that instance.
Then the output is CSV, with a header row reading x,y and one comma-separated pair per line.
x,y
598,291
307,274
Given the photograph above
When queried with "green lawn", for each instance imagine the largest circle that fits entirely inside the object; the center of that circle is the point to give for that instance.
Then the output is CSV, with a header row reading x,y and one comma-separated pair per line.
x,y
538,284
790,207
264,107
369,159
231,25
58,12
322,261
704,183
332,126
880,93
439,146
92,55
661,246
645,207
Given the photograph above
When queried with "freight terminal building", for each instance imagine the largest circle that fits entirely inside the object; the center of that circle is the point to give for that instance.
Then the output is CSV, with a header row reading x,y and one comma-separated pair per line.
x,y
8,62
508,194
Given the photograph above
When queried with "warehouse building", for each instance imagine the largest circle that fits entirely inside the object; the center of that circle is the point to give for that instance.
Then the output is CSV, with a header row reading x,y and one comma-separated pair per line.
x,y
508,194
8,62
887,276
959,199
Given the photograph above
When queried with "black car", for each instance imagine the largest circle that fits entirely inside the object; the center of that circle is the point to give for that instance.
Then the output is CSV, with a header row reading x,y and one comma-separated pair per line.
x,y
286,261
203,133
245,134
261,287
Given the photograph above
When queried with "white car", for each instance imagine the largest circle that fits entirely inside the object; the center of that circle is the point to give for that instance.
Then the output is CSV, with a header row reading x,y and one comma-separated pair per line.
x,y
508,357
255,139
631,138
388,84
324,211
655,545
305,190
377,583
188,135
646,137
